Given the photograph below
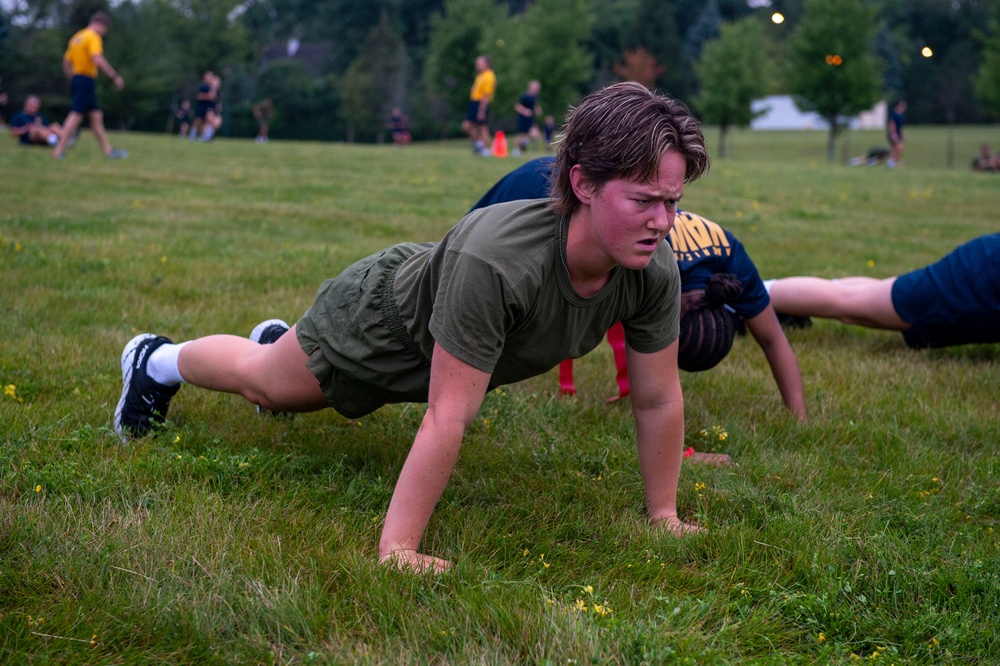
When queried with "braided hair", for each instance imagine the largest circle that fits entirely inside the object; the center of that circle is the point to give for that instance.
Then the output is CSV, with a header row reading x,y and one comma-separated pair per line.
x,y
708,327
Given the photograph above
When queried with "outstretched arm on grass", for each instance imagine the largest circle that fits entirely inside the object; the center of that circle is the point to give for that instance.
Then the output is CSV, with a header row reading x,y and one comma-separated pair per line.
x,y
766,330
658,407
456,393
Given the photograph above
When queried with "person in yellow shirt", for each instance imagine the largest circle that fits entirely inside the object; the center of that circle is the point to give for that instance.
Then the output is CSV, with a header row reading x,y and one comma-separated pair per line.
x,y
83,57
483,89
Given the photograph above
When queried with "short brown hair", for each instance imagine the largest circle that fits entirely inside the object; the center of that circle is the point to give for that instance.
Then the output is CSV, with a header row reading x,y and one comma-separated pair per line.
x,y
102,18
622,131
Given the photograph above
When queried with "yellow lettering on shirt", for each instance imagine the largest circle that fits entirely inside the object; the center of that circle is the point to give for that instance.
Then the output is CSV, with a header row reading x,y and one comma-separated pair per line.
x,y
693,237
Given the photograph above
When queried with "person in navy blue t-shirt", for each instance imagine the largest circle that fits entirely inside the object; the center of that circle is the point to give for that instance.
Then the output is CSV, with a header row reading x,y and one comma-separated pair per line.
x,y
719,284
30,126
528,110
954,301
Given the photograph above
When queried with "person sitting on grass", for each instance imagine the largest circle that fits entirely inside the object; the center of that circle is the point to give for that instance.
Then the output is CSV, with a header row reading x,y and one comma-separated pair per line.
x,y
507,294
721,290
986,160
29,125
954,301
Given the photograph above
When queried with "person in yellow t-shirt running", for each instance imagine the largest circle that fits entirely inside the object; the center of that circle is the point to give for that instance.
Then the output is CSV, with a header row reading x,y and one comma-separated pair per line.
x,y
483,88
83,57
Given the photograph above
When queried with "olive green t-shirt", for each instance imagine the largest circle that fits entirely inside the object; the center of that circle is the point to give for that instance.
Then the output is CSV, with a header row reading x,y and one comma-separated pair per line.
x,y
494,293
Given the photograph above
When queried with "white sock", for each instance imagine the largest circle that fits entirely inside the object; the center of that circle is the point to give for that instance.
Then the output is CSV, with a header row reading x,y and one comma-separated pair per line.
x,y
162,365
767,285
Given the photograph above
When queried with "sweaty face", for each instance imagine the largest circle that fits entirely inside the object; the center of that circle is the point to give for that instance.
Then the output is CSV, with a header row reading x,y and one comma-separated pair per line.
x,y
630,219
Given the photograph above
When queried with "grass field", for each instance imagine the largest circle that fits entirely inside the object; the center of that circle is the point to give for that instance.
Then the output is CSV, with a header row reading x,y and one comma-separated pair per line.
x,y
868,533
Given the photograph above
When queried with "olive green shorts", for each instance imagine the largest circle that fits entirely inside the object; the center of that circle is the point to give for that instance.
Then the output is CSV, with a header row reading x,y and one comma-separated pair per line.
x,y
358,347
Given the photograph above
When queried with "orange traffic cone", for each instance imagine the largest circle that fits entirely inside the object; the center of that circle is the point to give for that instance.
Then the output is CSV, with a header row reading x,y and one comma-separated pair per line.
x,y
500,144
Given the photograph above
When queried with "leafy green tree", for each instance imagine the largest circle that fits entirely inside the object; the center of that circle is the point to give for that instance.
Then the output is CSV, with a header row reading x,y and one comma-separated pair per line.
x,y
655,30
30,64
833,69
987,79
731,73
375,82
937,88
304,107
208,31
151,64
707,27
550,47
613,23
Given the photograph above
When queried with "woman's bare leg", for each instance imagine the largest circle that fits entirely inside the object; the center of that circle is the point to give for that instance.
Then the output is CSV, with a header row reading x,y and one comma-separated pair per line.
x,y
273,376
862,301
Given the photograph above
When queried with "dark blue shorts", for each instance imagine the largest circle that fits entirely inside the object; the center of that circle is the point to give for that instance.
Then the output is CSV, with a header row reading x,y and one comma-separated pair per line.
x,y
472,114
954,301
524,124
84,92
201,108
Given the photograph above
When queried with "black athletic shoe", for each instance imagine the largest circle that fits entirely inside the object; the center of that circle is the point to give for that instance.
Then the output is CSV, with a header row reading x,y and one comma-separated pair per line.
x,y
266,333
144,402
793,321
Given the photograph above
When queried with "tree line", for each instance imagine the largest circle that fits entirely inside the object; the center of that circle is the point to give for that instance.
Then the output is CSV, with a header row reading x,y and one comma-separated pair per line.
x,y
334,69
